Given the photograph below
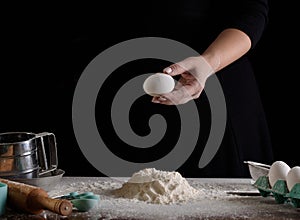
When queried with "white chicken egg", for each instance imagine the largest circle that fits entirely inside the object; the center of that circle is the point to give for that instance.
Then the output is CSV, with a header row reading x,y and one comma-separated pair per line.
x,y
293,177
158,84
278,171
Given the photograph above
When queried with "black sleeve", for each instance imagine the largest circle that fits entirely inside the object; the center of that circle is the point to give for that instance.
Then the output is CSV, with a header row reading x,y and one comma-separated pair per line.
x,y
249,16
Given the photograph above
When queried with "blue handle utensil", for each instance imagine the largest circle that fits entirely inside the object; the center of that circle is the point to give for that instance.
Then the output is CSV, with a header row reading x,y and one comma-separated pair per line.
x,y
83,202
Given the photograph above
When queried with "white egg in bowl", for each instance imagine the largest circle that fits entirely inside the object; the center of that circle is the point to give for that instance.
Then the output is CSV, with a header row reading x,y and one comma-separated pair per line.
x,y
293,177
159,84
278,171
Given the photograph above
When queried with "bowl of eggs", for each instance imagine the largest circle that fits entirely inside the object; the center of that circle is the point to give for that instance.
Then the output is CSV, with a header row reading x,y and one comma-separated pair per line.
x,y
282,182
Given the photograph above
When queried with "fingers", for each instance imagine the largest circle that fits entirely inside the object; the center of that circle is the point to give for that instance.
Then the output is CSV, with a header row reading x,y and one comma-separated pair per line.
x,y
162,100
175,98
174,69
172,99
194,72
183,92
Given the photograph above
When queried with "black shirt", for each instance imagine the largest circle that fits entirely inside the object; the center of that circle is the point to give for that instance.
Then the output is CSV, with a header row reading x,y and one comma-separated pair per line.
x,y
197,24
52,44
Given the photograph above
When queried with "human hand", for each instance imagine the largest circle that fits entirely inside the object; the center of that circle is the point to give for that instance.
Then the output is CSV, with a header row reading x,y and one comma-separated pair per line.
x,y
193,72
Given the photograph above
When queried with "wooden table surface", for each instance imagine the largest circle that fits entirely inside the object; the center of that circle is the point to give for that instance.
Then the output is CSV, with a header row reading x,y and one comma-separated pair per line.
x,y
216,204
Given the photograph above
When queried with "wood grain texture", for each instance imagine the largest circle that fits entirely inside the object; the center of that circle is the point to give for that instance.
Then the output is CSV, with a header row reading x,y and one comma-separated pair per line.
x,y
34,200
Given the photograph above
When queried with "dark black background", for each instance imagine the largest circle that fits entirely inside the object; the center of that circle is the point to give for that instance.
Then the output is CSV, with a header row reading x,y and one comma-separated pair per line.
x,y
45,48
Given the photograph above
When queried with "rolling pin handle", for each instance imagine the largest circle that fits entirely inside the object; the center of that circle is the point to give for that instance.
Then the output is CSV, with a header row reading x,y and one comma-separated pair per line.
x,y
65,207
59,206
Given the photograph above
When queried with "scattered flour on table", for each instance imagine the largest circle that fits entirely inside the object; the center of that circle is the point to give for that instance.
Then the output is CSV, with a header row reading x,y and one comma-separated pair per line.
x,y
211,201
158,187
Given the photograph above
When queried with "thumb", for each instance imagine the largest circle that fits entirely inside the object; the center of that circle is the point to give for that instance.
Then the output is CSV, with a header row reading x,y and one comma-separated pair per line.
x,y
174,69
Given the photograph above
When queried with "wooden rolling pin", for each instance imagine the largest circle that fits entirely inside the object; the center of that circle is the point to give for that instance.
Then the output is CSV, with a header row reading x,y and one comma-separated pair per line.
x,y
34,200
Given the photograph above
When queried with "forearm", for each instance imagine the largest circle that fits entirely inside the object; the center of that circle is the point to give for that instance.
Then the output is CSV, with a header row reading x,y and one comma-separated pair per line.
x,y
230,45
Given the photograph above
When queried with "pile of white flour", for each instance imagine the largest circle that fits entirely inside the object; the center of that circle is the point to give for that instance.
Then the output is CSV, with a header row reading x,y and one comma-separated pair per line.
x,y
159,187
